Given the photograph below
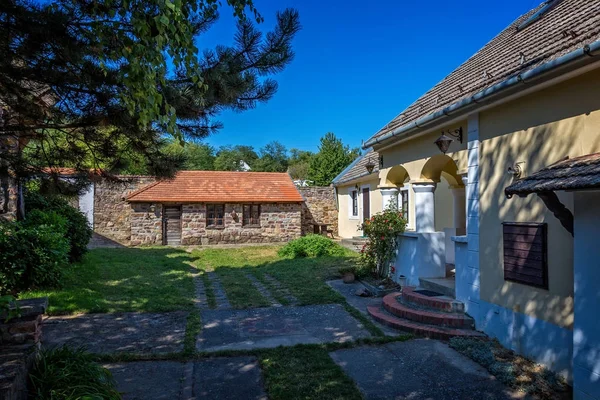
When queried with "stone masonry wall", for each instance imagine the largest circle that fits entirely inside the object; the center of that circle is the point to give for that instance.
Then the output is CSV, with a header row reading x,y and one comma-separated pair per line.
x,y
146,224
112,214
319,207
278,223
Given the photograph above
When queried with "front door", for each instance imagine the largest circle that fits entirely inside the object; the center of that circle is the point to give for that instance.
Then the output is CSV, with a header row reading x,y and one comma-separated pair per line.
x,y
172,225
366,203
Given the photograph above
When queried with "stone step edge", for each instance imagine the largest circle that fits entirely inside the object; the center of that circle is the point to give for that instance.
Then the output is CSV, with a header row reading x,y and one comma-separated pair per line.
x,y
432,332
444,305
391,305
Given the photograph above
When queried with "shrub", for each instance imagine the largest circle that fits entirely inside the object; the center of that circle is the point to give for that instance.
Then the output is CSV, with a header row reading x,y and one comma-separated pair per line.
x,y
30,257
311,246
383,230
68,374
36,218
78,232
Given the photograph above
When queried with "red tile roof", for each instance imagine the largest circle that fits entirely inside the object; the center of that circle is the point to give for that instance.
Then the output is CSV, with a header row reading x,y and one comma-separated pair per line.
x,y
222,187
568,26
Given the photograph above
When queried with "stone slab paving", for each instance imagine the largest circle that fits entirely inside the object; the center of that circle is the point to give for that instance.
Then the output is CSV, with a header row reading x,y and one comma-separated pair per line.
x,y
115,333
285,292
149,380
200,301
214,378
263,290
281,326
219,292
361,303
228,379
418,369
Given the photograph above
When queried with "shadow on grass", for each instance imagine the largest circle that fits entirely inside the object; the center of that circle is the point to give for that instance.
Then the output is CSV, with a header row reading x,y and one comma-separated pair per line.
x,y
125,279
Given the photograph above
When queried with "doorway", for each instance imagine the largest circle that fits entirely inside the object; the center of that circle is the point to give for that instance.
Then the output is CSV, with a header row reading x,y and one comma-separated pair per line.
x,y
172,225
366,197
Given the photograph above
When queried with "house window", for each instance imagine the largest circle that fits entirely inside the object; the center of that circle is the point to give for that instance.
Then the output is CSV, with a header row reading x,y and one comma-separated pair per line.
x,y
251,215
215,215
354,201
404,203
525,253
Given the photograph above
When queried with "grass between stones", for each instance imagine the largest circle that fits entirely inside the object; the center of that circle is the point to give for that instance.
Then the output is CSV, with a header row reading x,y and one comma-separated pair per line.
x,y
192,329
210,293
123,280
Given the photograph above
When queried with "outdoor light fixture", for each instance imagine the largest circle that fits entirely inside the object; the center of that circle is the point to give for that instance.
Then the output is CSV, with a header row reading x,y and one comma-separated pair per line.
x,y
233,214
443,142
370,166
152,207
357,187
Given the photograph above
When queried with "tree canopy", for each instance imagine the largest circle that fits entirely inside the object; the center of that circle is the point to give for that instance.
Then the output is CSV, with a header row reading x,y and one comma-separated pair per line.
x,y
97,83
331,159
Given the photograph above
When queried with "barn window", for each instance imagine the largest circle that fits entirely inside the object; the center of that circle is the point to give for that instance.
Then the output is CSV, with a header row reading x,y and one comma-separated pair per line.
x,y
251,215
215,215
525,253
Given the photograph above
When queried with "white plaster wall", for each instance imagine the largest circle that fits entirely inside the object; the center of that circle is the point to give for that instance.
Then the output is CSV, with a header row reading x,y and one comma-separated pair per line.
x,y
421,255
586,329
86,204
444,207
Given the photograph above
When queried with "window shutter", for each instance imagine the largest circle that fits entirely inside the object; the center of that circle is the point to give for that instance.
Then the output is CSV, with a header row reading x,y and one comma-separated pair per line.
x,y
525,253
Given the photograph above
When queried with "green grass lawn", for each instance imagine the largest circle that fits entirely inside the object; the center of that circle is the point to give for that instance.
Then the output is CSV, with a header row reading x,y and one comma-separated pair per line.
x,y
116,280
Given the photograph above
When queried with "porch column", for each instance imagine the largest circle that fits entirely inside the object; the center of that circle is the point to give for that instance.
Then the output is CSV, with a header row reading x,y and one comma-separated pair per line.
x,y
465,179
425,206
460,209
389,196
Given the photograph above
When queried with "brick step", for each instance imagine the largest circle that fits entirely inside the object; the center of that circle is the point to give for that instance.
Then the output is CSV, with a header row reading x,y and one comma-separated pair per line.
x,y
425,316
416,328
441,303
439,285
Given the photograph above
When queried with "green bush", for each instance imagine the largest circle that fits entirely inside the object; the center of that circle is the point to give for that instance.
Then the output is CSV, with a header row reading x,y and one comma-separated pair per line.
x,y
78,232
311,246
36,218
68,374
30,257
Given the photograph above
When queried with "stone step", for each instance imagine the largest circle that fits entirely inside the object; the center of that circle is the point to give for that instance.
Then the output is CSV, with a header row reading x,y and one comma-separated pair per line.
x,y
438,303
416,328
444,286
425,316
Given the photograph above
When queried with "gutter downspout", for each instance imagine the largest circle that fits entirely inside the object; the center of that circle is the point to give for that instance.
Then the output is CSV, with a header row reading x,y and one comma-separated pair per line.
x,y
497,90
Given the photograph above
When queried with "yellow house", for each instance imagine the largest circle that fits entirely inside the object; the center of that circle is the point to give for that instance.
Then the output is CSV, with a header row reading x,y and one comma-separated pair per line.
x,y
526,100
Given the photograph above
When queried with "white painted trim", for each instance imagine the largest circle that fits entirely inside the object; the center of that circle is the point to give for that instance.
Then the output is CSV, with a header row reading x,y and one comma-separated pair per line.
x,y
407,190
351,206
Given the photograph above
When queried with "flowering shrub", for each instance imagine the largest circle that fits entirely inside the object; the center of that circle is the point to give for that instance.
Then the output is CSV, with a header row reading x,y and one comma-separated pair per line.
x,y
382,230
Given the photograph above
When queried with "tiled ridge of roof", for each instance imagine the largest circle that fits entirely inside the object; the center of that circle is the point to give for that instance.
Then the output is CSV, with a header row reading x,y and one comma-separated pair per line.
x,y
566,27
220,186
357,169
568,174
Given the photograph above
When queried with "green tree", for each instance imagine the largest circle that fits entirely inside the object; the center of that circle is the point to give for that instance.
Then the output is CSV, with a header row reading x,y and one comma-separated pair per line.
x,y
232,158
331,159
299,163
114,77
196,156
273,157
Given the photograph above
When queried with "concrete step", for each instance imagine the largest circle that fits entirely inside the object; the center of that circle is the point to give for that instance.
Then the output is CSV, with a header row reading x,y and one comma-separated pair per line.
x,y
410,312
437,303
417,328
444,286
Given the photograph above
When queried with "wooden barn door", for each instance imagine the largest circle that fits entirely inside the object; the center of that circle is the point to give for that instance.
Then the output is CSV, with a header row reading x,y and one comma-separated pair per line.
x,y
366,203
172,225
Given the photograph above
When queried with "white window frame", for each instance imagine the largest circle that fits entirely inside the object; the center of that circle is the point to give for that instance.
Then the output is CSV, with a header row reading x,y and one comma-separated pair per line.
x,y
407,190
351,205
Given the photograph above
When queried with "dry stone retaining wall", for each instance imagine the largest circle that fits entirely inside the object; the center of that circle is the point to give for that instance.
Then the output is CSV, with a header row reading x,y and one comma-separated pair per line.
x,y
319,207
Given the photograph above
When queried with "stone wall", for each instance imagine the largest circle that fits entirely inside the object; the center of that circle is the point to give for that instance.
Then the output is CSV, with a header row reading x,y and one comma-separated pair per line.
x,y
145,223
112,214
319,207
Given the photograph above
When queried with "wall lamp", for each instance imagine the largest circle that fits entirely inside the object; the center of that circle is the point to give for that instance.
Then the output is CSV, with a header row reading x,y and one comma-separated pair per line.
x,y
370,166
443,142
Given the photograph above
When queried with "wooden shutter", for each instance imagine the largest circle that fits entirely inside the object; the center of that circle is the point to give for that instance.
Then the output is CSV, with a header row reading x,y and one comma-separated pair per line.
x,y
172,225
525,253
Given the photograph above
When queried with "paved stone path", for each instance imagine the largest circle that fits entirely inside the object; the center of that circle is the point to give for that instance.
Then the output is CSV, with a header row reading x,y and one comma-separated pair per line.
x,y
285,292
281,326
263,290
215,378
220,296
348,290
200,301
418,369
118,333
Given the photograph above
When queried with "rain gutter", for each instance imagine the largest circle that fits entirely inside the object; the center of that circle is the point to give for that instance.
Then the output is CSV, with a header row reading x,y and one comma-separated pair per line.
x,y
500,90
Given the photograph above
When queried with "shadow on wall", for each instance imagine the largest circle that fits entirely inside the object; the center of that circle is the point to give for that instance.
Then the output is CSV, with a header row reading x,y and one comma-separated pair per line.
x,y
557,132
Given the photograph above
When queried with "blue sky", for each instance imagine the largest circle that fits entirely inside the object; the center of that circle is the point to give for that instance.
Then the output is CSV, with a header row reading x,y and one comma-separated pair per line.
x,y
359,63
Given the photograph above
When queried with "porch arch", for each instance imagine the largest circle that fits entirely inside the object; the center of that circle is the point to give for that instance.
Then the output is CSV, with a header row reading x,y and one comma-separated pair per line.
x,y
442,165
395,176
